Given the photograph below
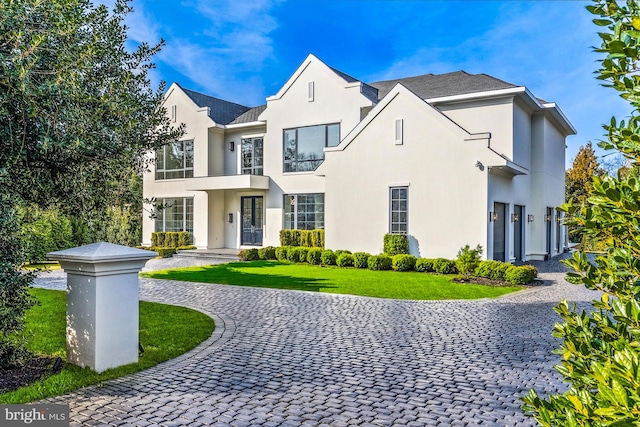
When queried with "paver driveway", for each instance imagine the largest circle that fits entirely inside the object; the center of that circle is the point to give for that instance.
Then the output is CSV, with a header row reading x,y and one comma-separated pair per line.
x,y
288,358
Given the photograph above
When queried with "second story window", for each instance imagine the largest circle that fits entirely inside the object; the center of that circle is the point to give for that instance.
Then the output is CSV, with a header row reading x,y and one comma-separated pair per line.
x,y
175,160
252,156
303,148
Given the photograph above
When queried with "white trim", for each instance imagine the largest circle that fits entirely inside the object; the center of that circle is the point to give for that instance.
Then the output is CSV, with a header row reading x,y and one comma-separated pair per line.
x,y
243,125
310,91
398,131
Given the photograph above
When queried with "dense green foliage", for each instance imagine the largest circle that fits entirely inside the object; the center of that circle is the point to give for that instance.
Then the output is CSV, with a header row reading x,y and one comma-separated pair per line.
x,y
379,262
425,265
491,269
314,256
360,260
306,238
171,239
395,244
600,348
445,266
281,253
344,260
44,231
166,331
251,254
520,275
381,284
328,257
468,259
267,253
403,262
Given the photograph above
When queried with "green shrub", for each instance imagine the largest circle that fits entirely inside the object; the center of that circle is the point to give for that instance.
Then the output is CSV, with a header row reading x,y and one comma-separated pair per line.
x,y
468,259
302,254
425,265
267,253
285,238
395,244
293,254
304,238
340,252
379,262
317,238
403,262
171,239
282,252
248,254
328,257
492,269
314,256
521,275
186,248
163,251
345,259
360,259
445,266
15,300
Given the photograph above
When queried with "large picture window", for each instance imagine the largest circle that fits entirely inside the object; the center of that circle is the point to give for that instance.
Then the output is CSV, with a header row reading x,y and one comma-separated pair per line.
x,y
175,160
252,156
303,211
303,148
398,210
176,214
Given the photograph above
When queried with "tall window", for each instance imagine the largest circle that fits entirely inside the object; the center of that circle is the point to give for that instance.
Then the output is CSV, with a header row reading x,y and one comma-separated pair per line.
x,y
177,215
398,209
252,156
175,160
303,211
303,148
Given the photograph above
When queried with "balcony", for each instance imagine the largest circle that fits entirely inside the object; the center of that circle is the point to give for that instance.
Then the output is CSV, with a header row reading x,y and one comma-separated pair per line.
x,y
227,182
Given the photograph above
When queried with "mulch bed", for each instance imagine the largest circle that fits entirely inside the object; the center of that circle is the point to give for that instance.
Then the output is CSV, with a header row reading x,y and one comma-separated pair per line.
x,y
484,281
32,371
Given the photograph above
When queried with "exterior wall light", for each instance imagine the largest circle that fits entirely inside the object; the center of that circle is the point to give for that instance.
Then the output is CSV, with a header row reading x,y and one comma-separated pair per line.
x,y
515,218
230,218
547,218
493,216
530,218
232,146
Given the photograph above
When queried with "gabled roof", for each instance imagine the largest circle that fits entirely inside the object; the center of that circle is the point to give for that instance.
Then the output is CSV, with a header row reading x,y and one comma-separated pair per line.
x,y
220,111
367,90
251,115
439,85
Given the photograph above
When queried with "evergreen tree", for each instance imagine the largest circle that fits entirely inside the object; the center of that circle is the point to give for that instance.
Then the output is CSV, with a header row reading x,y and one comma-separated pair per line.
x,y
578,178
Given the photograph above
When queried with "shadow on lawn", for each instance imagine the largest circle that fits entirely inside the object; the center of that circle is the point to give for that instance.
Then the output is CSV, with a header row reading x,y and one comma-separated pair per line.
x,y
227,274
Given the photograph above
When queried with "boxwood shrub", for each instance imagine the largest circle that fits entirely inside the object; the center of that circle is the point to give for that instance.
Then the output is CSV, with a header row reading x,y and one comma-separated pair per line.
x,y
282,252
328,257
360,259
297,254
403,262
379,262
445,266
425,265
395,244
163,251
248,254
267,253
345,260
340,252
492,269
314,256
521,275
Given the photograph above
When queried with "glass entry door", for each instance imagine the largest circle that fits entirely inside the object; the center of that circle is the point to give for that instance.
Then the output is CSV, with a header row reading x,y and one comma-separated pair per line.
x,y
252,214
518,232
499,223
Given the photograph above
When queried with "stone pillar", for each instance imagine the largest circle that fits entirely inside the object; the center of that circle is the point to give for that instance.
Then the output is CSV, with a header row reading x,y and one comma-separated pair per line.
x,y
102,303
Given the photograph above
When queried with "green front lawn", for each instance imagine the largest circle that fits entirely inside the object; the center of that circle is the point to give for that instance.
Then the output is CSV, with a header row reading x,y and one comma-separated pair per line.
x,y
304,277
166,331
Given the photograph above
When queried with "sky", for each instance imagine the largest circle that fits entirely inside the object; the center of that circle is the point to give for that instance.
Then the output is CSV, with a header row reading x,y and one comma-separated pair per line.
x,y
245,50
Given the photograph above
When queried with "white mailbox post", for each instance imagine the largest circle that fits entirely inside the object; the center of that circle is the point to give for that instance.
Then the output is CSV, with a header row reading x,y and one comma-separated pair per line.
x,y
102,303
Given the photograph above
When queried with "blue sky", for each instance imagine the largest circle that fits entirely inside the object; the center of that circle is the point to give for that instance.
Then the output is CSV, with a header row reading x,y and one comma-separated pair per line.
x,y
244,51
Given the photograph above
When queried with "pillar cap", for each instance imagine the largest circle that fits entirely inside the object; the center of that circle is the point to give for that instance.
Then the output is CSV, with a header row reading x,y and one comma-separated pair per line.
x,y
102,252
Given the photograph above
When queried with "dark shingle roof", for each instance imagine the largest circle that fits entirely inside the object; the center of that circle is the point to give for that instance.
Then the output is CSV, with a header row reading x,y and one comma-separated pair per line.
x,y
220,111
250,115
438,85
367,90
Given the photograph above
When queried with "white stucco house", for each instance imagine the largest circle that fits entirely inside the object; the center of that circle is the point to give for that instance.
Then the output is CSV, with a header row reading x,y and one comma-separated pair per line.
x,y
449,159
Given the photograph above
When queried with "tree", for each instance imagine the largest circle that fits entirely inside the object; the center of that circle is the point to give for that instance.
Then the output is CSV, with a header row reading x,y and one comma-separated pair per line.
x,y
77,110
578,178
600,348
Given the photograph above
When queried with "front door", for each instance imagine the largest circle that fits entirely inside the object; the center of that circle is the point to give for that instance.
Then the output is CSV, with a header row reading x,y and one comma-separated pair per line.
x,y
252,211
499,223
518,232
548,219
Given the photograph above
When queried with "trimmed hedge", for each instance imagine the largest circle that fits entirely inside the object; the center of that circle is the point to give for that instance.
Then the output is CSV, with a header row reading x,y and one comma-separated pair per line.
x,y
445,266
492,269
521,275
379,262
345,260
267,253
314,256
395,244
360,260
425,265
163,251
171,239
282,252
328,257
297,254
403,262
305,238
248,254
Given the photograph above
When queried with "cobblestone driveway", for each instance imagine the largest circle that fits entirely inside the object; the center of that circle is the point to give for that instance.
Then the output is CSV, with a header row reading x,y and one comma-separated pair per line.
x,y
287,358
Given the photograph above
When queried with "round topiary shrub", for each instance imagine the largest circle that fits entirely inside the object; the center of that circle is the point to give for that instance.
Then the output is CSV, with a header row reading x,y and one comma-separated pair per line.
x,y
403,262
445,266
379,262
297,254
267,253
314,256
344,260
360,259
328,257
340,252
282,252
248,254
302,254
520,275
425,265
500,270
491,269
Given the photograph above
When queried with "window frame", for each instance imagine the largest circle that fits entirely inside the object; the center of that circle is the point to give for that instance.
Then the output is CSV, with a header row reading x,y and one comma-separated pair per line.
x,y
399,211
294,222
187,217
296,154
184,171
253,168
